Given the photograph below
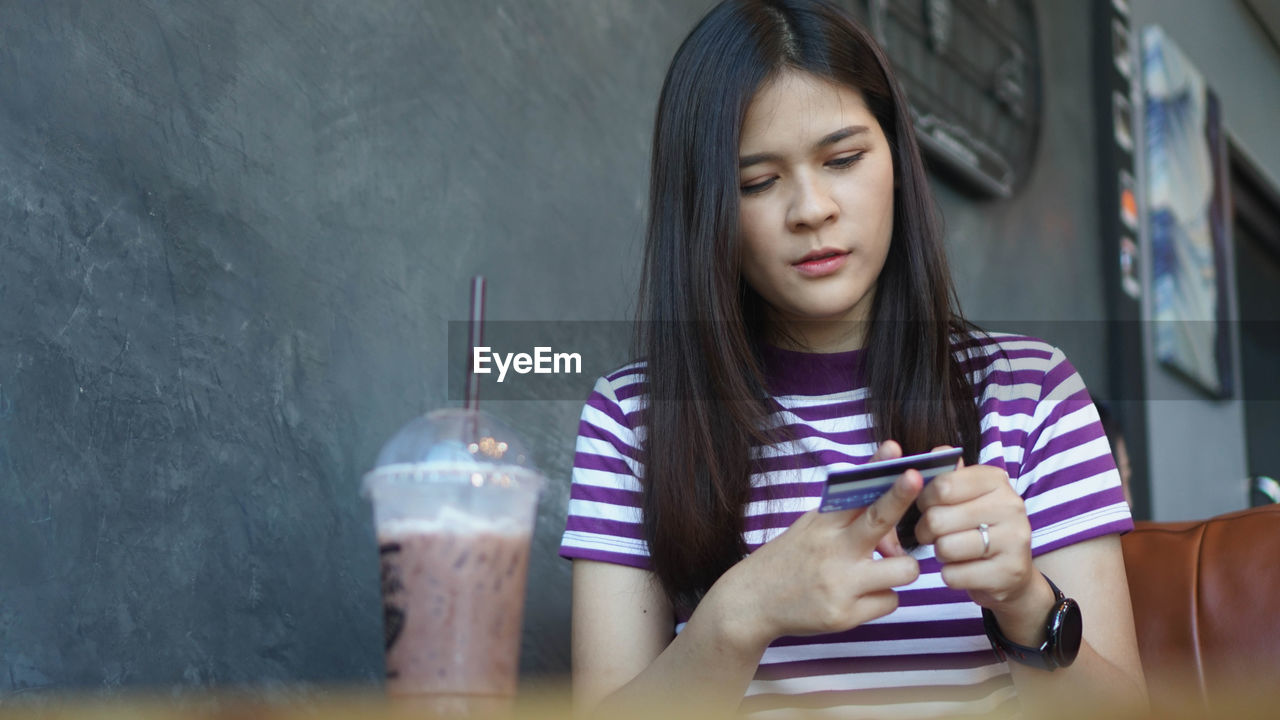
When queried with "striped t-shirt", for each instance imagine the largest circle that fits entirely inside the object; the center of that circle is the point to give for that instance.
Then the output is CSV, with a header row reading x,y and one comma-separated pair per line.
x,y
929,657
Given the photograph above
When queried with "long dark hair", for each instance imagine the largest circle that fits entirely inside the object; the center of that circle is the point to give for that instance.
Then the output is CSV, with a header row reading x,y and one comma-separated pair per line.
x,y
701,327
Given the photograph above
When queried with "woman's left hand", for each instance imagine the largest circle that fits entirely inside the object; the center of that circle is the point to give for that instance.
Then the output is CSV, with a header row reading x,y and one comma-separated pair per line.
x,y
994,567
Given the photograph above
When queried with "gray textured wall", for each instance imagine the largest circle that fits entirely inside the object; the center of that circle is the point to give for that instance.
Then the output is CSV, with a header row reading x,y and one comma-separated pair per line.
x,y
231,235
231,238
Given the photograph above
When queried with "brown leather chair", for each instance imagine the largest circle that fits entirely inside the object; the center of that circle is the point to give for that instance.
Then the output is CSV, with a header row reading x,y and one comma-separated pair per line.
x,y
1206,603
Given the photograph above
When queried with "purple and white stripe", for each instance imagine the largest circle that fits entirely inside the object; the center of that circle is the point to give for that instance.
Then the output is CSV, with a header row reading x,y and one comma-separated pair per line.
x,y
930,656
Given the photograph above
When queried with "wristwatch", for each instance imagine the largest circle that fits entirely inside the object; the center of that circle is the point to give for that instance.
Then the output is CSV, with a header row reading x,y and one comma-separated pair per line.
x,y
1062,635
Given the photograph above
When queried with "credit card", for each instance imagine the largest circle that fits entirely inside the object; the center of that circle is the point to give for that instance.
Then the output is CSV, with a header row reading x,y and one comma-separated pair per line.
x,y
863,485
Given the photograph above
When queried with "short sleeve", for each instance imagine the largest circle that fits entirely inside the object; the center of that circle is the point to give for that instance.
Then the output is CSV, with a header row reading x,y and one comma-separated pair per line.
x,y
1068,476
604,512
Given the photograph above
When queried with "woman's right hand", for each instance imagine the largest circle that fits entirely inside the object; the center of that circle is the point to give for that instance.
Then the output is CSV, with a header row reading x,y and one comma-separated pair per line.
x,y
819,576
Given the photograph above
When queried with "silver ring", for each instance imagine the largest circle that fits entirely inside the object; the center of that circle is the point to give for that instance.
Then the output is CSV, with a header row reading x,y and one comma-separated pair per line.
x,y
984,530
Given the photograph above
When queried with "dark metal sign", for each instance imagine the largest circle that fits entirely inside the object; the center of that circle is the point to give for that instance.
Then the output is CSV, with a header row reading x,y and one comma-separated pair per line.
x,y
971,71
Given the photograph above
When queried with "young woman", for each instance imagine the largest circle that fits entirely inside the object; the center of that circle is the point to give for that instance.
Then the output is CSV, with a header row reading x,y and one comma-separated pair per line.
x,y
798,318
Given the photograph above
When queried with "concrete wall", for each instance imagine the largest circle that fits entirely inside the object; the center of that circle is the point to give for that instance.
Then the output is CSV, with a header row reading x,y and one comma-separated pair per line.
x,y
232,236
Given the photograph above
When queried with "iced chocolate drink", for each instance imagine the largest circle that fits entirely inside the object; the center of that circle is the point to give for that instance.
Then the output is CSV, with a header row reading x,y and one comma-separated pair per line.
x,y
453,503
453,593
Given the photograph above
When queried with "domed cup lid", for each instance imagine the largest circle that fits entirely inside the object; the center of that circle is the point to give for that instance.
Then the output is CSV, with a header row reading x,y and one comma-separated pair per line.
x,y
456,444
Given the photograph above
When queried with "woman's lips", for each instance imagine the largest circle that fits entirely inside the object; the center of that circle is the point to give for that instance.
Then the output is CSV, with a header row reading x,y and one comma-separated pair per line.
x,y
818,267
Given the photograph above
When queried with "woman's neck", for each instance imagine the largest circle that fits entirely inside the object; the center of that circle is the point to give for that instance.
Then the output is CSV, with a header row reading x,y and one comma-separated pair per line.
x,y
819,336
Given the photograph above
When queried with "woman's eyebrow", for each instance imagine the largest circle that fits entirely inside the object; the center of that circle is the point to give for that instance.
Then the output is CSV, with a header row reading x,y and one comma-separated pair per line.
x,y
832,139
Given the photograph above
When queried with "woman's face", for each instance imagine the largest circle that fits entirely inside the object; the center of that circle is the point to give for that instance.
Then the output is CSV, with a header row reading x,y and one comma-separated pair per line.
x,y
816,178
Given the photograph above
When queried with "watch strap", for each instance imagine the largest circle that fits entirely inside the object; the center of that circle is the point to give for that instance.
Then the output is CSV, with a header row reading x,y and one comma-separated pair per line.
x,y
1037,657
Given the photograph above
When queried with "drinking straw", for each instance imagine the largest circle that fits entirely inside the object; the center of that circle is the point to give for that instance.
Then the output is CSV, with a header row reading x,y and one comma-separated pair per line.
x,y
475,336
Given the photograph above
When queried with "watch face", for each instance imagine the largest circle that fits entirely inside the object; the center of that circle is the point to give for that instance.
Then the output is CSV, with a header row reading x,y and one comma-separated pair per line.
x,y
1066,633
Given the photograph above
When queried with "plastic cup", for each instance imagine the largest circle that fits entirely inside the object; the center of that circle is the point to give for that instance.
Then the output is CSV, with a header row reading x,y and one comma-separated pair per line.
x,y
454,502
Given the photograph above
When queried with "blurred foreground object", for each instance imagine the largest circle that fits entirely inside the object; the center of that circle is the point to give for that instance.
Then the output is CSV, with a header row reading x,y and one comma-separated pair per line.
x,y
548,701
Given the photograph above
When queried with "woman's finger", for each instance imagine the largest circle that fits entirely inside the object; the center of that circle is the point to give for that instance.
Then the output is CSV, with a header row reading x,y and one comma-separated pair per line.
x,y
962,485
890,545
994,578
882,516
877,575
941,520
874,605
994,509
887,450
978,543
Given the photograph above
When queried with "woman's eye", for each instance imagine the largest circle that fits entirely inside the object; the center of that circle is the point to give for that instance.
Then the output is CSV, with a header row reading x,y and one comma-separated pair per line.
x,y
838,163
758,187
845,162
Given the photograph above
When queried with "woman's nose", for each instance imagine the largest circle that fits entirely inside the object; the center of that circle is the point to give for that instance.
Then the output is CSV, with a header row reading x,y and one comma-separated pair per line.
x,y
812,206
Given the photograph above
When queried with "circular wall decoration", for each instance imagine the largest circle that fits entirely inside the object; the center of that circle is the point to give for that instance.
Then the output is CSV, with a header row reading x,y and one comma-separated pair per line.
x,y
971,71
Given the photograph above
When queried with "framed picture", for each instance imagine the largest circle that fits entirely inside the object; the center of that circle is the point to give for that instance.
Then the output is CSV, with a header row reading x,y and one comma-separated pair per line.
x,y
1188,216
